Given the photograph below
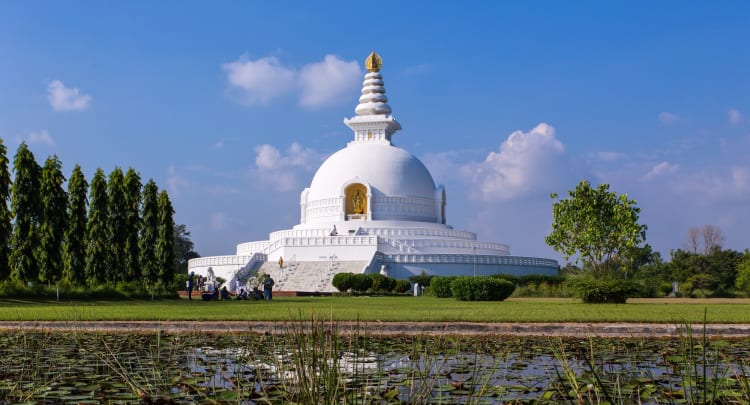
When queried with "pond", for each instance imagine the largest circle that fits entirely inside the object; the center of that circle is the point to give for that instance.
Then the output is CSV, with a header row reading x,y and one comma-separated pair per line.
x,y
322,366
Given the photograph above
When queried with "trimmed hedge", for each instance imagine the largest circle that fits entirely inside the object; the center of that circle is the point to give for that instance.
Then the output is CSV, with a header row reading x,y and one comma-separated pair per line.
x,y
469,288
441,286
602,290
402,286
342,281
372,282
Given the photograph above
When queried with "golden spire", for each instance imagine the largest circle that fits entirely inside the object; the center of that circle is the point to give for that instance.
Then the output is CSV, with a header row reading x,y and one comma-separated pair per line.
x,y
373,63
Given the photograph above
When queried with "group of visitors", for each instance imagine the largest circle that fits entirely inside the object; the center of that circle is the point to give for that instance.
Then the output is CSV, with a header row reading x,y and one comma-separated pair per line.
x,y
212,294
194,283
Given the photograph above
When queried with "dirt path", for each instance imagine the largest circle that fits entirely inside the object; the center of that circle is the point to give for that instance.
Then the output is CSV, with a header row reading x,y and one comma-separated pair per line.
x,y
395,328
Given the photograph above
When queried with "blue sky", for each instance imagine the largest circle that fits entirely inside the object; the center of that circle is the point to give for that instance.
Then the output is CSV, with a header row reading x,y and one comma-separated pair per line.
x,y
231,106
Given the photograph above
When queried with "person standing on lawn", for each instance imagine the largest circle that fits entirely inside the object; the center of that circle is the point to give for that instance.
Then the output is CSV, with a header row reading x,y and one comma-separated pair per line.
x,y
268,287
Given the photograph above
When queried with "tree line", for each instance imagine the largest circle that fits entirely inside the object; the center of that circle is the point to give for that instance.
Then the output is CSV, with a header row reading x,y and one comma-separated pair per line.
x,y
600,230
112,230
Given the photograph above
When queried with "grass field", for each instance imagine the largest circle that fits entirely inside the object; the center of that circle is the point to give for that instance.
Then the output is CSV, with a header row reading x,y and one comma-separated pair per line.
x,y
411,309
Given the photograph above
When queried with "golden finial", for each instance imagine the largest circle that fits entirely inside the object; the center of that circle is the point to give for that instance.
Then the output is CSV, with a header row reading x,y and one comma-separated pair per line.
x,y
373,63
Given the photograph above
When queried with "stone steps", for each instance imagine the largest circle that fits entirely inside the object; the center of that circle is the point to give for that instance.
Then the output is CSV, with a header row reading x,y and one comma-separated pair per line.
x,y
309,276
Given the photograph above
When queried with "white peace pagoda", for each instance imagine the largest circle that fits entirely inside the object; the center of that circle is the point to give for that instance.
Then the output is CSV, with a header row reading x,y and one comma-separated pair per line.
x,y
371,207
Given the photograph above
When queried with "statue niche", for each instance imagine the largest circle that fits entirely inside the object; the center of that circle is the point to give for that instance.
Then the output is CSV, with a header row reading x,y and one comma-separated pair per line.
x,y
355,203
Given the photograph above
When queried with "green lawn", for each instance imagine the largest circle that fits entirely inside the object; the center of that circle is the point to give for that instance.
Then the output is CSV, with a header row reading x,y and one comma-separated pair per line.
x,y
414,309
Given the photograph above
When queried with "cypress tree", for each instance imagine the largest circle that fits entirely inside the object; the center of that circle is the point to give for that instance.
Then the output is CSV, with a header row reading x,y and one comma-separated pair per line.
x,y
5,216
116,226
96,232
54,205
25,211
149,232
75,237
132,223
165,242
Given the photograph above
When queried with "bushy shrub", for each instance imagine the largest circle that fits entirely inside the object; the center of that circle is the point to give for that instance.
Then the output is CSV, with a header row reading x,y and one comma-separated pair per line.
x,y
540,279
513,279
342,281
469,288
381,283
361,282
594,290
402,286
441,286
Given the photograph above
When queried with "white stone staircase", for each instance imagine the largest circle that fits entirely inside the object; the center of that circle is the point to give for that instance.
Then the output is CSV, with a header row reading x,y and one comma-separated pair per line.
x,y
309,276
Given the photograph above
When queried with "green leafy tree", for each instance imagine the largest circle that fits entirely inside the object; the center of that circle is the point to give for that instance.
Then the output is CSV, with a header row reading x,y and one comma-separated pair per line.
x,y
718,265
165,239
5,215
75,236
149,233
96,231
743,273
723,266
183,249
54,221
132,223
342,281
116,226
598,226
26,212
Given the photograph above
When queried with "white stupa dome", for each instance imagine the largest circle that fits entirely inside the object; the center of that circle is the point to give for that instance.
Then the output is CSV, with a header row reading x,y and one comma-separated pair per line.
x,y
387,169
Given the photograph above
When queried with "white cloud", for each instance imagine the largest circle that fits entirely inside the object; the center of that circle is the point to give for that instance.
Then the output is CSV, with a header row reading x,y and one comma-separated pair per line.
x,y
316,84
219,144
528,163
735,117
259,81
283,172
41,137
175,182
661,169
62,98
328,82
668,117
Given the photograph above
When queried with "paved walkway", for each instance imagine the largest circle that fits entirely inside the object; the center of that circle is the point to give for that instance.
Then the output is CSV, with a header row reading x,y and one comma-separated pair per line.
x,y
395,328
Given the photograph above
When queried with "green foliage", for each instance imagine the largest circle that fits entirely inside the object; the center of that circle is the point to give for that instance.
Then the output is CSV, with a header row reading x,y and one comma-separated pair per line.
x,y
53,224
537,285
342,281
124,291
601,290
440,286
596,225
96,237
5,215
509,277
74,247
165,239
149,233
381,283
364,282
743,273
361,282
116,226
132,189
422,279
720,266
183,249
468,288
26,212
402,286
